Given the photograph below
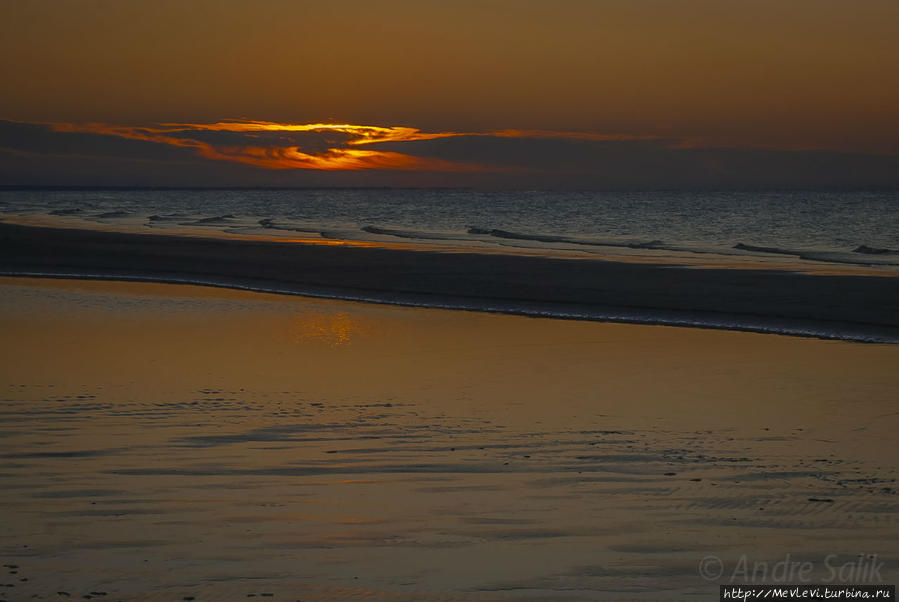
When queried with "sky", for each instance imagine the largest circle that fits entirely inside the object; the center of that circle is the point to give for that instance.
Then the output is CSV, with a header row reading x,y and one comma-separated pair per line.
x,y
600,93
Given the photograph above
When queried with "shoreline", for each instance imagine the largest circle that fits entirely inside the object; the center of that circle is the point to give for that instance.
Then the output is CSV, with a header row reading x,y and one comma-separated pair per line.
x,y
856,308
771,259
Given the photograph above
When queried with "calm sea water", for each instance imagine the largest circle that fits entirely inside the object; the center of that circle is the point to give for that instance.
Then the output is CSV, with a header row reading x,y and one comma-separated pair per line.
x,y
840,227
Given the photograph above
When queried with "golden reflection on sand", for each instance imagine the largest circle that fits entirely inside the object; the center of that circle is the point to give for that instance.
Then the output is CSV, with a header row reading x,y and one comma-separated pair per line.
x,y
331,329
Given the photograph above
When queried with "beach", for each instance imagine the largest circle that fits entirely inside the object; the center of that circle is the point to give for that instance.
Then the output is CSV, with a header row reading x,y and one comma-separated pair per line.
x,y
849,303
449,301
173,442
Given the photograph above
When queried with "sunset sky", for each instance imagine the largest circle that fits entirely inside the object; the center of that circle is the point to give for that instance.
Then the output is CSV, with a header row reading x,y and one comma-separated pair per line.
x,y
606,93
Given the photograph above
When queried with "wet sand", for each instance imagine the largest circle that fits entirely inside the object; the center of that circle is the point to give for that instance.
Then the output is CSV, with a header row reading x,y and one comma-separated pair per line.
x,y
855,305
163,442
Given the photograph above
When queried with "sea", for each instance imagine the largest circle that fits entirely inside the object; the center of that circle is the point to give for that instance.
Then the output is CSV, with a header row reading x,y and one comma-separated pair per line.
x,y
794,229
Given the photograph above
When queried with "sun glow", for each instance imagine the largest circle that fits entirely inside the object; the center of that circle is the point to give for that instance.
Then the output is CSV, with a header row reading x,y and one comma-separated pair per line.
x,y
330,147
365,134
286,156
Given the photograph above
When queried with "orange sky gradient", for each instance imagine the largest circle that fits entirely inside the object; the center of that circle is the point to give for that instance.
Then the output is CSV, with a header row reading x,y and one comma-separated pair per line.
x,y
806,73
802,75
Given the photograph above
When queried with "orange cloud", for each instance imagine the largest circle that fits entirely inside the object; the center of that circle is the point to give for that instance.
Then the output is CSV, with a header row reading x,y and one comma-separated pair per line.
x,y
282,154
365,134
289,156
292,157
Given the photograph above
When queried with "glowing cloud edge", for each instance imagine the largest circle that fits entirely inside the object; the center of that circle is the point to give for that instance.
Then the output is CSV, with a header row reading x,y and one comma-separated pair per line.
x,y
336,158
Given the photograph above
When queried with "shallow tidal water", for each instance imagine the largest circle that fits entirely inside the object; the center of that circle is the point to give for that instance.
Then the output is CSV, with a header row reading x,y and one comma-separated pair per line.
x,y
163,442
800,230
